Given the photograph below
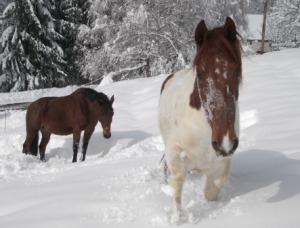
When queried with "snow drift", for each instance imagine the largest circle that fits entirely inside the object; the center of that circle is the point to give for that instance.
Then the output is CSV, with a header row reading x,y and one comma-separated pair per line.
x,y
121,183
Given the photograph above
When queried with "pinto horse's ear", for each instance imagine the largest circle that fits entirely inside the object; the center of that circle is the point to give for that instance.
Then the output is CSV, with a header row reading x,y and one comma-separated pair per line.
x,y
112,99
230,30
201,33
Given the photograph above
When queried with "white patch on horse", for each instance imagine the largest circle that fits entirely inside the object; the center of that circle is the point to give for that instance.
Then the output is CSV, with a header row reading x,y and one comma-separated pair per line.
x,y
213,95
217,71
225,74
226,143
182,155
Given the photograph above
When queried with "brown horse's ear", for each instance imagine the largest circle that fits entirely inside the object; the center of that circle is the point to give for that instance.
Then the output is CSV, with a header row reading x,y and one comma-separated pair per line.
x,y
112,99
230,30
201,33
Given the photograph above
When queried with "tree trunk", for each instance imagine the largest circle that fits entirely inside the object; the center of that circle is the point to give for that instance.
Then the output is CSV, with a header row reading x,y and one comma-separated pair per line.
x,y
147,67
262,50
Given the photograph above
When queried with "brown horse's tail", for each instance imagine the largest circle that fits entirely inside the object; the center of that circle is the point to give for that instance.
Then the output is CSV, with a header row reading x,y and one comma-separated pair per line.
x,y
34,145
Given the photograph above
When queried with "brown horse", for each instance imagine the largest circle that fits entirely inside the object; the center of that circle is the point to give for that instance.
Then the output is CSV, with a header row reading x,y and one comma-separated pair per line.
x,y
198,112
79,111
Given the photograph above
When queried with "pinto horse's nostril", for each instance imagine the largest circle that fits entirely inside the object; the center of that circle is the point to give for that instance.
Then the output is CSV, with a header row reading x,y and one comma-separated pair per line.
x,y
235,145
216,145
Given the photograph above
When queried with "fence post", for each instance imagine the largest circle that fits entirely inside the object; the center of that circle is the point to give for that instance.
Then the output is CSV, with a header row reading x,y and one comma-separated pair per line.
x,y
5,121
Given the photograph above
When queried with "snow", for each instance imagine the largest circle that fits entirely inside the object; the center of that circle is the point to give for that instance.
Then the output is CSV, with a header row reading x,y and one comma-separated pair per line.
x,y
121,183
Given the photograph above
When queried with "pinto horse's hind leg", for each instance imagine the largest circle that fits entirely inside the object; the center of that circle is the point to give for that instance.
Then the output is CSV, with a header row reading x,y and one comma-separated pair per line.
x,y
216,179
44,142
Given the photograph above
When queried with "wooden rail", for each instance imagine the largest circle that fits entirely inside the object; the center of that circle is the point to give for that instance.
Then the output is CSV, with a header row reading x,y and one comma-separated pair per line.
x,y
16,106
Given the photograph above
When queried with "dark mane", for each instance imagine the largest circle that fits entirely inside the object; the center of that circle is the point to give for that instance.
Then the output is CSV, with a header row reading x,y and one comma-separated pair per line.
x,y
216,41
93,95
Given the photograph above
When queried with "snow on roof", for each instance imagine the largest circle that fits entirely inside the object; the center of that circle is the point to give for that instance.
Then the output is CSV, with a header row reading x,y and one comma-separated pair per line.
x,y
255,22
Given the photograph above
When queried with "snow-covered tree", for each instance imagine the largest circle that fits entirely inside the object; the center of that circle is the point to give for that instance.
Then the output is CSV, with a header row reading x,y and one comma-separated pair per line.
x,y
138,38
255,7
69,15
283,22
39,46
217,11
30,56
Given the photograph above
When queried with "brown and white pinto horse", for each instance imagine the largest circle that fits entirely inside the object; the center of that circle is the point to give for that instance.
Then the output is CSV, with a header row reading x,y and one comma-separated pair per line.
x,y
79,111
198,112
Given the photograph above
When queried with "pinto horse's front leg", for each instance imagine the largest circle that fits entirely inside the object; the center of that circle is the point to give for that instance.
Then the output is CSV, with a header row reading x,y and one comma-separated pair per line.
x,y
216,179
177,173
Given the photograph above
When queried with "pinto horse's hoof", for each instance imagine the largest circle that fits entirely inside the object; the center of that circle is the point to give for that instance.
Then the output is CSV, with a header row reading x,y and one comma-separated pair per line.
x,y
178,216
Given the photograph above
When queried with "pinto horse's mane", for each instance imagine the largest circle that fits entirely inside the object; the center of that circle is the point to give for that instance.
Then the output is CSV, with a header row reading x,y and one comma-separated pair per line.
x,y
219,40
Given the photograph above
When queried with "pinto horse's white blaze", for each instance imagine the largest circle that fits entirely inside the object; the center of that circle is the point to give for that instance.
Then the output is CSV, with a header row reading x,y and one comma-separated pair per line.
x,y
198,112
226,143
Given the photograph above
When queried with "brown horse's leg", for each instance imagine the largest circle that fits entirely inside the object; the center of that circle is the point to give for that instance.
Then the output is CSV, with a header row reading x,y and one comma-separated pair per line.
x,y
44,142
76,139
86,138
31,142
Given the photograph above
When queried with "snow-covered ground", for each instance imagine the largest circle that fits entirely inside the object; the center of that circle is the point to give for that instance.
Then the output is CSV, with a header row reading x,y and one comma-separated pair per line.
x,y
121,183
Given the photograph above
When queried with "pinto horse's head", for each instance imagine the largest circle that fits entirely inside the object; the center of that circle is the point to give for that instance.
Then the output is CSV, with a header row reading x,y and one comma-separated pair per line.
x,y
219,71
106,117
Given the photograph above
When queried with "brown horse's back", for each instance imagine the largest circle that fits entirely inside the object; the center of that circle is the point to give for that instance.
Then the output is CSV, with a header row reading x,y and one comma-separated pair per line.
x,y
34,114
58,115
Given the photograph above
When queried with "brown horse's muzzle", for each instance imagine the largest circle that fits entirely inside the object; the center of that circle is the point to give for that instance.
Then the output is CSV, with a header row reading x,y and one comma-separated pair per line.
x,y
106,134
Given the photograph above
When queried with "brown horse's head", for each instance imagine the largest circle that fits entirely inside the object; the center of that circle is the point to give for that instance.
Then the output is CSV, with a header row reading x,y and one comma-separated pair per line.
x,y
106,116
219,71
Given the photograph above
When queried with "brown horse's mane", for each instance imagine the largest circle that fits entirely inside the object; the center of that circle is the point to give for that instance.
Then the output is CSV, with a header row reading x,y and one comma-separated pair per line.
x,y
93,95
217,40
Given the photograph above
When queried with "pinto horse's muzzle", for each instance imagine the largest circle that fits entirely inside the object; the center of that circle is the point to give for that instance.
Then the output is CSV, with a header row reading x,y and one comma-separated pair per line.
x,y
225,152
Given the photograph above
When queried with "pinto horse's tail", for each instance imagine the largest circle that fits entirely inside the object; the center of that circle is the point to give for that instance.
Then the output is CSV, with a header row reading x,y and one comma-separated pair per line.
x,y
34,145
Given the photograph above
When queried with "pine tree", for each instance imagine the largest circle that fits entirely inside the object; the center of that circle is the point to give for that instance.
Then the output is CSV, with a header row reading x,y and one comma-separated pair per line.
x,y
70,14
31,57
39,47
283,22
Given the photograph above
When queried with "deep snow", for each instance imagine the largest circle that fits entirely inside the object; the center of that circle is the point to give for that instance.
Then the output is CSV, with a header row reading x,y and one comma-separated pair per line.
x,y
121,182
